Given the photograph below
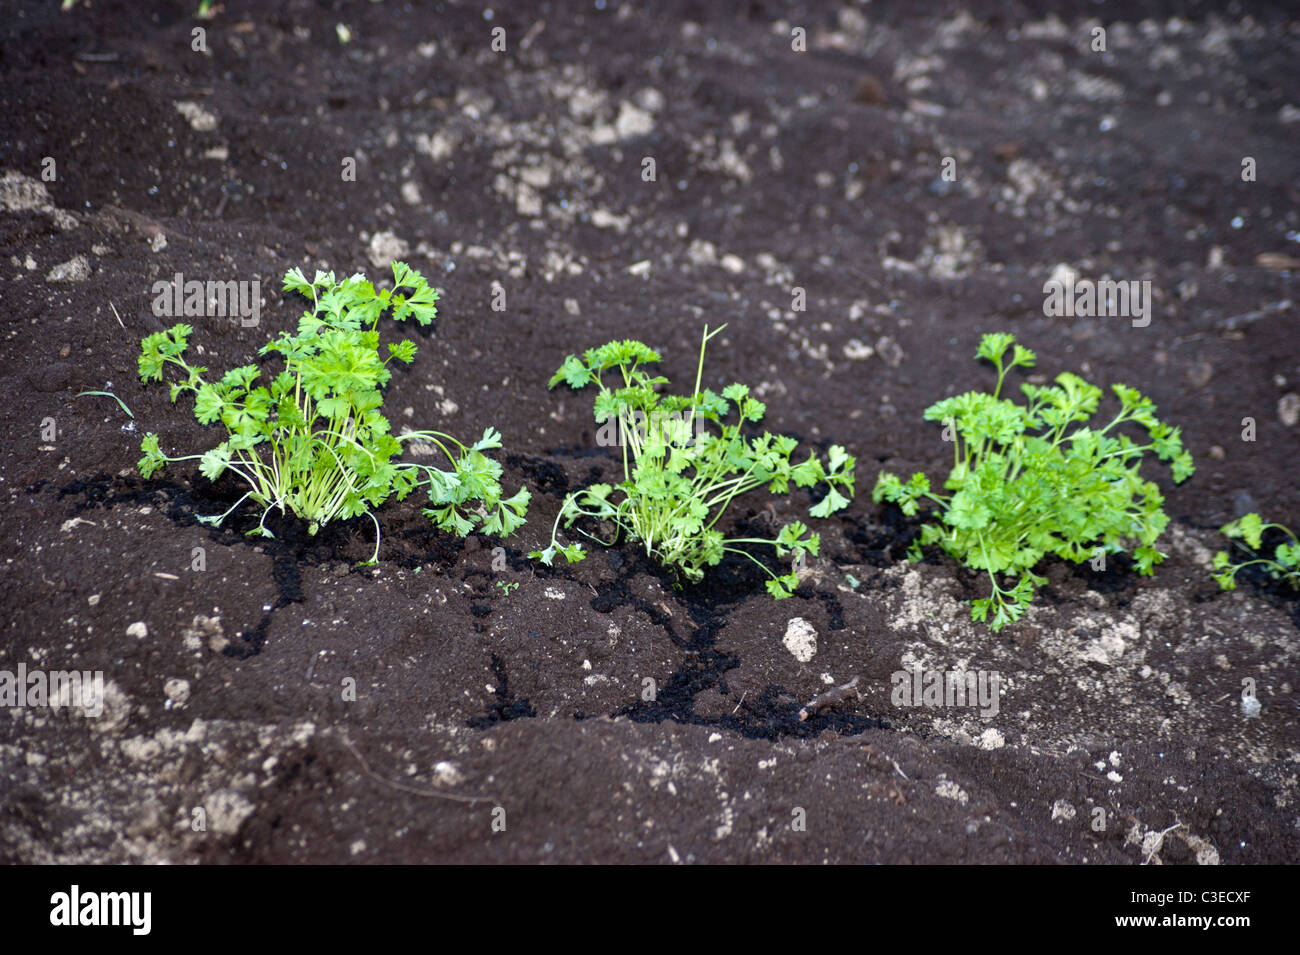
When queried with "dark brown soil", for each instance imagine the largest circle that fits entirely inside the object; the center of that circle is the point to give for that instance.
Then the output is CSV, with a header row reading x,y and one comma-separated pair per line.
x,y
523,169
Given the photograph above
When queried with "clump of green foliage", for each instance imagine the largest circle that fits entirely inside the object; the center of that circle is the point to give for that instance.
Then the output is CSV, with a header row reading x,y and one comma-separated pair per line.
x,y
1034,479
680,474
1283,565
314,441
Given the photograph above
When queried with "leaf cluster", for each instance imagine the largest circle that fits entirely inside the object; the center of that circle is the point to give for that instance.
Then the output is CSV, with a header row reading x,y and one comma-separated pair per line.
x,y
1247,533
685,467
313,439
1037,478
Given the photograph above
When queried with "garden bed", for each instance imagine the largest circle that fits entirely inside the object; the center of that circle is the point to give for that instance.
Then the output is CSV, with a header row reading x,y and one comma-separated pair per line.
x,y
476,703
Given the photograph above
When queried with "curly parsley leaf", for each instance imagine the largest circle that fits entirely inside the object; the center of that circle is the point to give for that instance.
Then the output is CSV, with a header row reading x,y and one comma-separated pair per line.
x,y
1033,480
685,463
1248,532
315,442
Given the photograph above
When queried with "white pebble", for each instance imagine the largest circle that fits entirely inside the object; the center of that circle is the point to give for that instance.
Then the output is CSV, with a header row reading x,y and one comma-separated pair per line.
x,y
800,639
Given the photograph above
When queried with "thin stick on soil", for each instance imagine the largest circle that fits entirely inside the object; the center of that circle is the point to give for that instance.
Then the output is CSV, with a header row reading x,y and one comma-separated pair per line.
x,y
837,695
413,790
1233,322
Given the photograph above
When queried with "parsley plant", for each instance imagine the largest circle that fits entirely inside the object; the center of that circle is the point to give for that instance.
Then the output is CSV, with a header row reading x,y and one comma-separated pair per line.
x,y
1284,565
314,442
679,476
1026,482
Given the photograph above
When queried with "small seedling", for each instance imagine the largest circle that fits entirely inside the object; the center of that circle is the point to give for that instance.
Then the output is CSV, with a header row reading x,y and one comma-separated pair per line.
x,y
507,586
679,476
315,442
106,394
1026,484
1284,564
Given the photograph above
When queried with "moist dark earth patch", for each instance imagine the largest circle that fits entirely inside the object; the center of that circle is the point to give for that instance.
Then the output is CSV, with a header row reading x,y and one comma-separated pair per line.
x,y
407,712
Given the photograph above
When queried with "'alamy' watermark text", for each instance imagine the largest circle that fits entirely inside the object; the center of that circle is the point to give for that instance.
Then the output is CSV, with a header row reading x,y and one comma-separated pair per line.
x,y
181,298
947,688
1071,297
82,691
74,907
680,429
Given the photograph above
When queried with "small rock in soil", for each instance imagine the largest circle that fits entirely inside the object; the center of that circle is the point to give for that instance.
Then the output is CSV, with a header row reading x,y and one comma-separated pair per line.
x,y
226,811
800,639
386,248
205,628
177,690
633,122
447,774
76,269
1288,409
